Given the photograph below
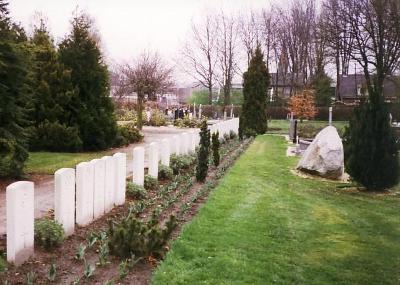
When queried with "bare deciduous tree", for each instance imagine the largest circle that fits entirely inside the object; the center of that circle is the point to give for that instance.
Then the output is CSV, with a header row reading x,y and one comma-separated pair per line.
x,y
227,53
147,76
374,28
198,56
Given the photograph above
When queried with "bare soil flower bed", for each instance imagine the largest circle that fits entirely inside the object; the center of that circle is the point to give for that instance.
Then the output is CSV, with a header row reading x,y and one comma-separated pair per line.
x,y
181,197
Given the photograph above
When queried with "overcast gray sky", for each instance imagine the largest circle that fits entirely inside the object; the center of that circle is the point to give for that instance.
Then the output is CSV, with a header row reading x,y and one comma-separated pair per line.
x,y
128,27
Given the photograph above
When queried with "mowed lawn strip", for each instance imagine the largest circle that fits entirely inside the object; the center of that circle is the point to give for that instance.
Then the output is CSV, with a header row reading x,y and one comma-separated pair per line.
x,y
264,225
49,162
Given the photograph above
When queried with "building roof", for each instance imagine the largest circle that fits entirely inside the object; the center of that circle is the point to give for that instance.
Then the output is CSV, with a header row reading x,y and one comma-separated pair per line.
x,y
349,85
284,80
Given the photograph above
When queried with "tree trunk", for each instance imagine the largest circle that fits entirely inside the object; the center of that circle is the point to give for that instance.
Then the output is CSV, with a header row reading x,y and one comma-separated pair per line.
x,y
210,95
139,109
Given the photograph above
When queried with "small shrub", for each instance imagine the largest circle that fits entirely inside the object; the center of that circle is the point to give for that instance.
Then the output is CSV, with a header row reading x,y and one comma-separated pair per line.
x,y
157,118
165,172
180,162
53,136
215,148
203,154
232,135
128,134
135,237
48,233
135,191
52,273
227,137
186,122
150,183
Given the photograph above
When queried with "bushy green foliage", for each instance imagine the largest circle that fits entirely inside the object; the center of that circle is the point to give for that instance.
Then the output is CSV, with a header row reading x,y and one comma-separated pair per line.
x,y
80,53
14,95
165,172
55,137
150,183
53,112
204,152
232,135
186,122
181,162
48,233
371,153
323,90
253,119
215,148
157,118
135,191
128,134
133,236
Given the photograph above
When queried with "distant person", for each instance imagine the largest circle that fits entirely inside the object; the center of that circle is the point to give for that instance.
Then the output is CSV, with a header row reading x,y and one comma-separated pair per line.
x,y
181,113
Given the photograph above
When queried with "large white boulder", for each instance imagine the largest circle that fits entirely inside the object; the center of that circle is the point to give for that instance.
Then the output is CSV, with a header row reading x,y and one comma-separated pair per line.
x,y
324,156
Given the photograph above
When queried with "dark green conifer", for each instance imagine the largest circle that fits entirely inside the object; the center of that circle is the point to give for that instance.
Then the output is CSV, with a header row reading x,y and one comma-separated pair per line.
x,y
80,53
14,95
54,98
253,119
215,148
371,152
204,152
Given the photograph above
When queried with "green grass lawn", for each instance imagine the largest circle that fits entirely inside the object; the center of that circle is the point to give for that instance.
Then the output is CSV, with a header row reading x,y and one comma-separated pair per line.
x,y
49,162
264,225
309,127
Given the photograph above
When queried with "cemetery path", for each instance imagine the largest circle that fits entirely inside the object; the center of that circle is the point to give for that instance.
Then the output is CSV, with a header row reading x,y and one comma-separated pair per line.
x,y
44,184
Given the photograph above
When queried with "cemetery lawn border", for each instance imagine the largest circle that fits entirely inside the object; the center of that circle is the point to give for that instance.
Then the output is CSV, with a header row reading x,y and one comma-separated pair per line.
x,y
264,225
49,162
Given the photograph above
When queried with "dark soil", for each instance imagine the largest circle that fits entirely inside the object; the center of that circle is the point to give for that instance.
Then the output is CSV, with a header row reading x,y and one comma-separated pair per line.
x,y
70,270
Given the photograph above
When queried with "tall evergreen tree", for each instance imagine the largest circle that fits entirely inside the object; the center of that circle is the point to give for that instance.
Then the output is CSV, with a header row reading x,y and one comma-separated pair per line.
x,y
253,119
14,60
54,98
204,152
80,52
371,153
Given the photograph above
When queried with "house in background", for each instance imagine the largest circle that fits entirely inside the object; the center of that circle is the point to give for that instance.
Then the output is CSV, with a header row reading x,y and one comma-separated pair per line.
x,y
352,88
281,85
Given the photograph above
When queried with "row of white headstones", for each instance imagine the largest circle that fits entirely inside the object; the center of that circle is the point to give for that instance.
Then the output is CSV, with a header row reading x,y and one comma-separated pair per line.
x,y
92,189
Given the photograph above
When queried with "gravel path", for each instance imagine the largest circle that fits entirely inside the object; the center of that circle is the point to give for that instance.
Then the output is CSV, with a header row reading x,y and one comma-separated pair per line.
x,y
44,188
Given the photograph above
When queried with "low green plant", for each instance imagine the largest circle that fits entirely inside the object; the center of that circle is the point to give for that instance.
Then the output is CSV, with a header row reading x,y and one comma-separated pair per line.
x,y
89,270
165,172
80,252
215,148
137,208
48,233
150,183
52,273
127,134
6,282
186,122
103,253
226,137
135,191
133,236
31,277
232,135
181,162
123,269
109,282
92,240
157,118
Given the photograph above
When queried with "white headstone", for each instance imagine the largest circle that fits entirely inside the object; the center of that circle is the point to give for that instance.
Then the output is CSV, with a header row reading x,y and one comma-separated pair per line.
x,y
200,111
99,187
20,221
84,193
184,143
64,199
232,111
165,152
153,159
120,187
138,165
109,183
175,144
330,116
